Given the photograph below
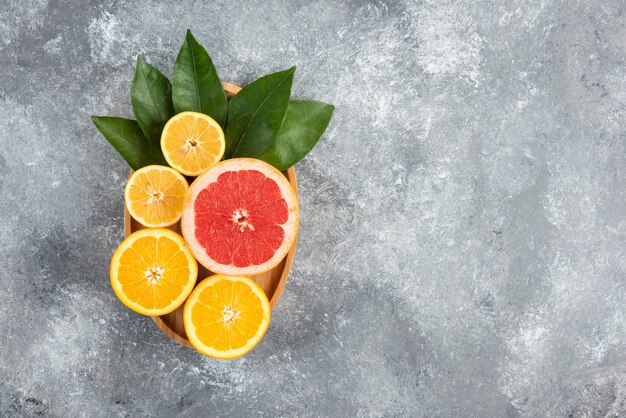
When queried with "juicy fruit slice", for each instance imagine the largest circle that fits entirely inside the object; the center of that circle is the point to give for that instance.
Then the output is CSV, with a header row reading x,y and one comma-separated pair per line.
x,y
192,142
155,194
226,316
153,271
240,217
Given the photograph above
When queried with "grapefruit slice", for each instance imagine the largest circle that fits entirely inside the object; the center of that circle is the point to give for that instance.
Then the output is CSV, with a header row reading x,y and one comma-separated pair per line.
x,y
240,217
226,316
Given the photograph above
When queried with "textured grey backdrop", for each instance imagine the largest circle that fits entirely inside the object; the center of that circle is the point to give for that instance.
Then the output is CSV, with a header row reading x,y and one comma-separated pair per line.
x,y
462,248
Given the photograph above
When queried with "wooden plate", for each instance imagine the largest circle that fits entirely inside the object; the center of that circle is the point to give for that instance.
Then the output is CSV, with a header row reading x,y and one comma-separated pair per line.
x,y
273,282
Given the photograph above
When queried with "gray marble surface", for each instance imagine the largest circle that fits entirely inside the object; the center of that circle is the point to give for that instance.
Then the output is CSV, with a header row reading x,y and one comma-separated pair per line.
x,y
462,248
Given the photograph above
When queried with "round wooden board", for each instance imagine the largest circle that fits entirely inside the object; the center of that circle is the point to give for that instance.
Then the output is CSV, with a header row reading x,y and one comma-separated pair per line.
x,y
272,282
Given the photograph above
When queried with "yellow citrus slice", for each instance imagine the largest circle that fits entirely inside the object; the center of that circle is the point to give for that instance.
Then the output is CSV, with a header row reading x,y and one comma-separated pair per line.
x,y
226,316
192,142
153,271
155,195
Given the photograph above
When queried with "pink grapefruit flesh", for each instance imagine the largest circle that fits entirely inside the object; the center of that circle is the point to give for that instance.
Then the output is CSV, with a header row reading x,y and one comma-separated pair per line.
x,y
240,217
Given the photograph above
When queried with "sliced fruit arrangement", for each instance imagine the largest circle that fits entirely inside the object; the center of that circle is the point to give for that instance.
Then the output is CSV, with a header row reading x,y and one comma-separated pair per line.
x,y
192,142
155,194
153,271
239,216
226,316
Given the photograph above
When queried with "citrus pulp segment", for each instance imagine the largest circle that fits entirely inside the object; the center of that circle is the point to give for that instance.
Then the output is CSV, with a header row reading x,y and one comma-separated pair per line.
x,y
226,316
240,217
192,142
153,271
154,195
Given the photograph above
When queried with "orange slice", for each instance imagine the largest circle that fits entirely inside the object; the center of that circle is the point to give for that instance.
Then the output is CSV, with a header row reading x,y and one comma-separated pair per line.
x,y
192,142
226,316
153,271
155,194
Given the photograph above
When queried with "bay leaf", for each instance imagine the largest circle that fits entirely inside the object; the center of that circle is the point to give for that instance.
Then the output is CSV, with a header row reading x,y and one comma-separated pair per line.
x,y
304,124
256,113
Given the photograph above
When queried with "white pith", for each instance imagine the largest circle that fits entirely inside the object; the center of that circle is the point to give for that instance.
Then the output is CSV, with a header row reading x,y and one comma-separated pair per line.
x,y
240,218
154,274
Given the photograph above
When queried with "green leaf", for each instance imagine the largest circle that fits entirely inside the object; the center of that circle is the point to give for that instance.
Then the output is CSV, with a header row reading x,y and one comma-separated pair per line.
x,y
256,113
304,124
151,98
196,85
129,140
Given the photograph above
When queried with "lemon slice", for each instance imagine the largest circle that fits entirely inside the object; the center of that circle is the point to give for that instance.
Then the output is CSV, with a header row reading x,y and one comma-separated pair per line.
x,y
155,195
192,142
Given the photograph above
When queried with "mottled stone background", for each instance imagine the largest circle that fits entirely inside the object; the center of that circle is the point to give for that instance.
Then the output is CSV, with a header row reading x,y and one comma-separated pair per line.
x,y
462,247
